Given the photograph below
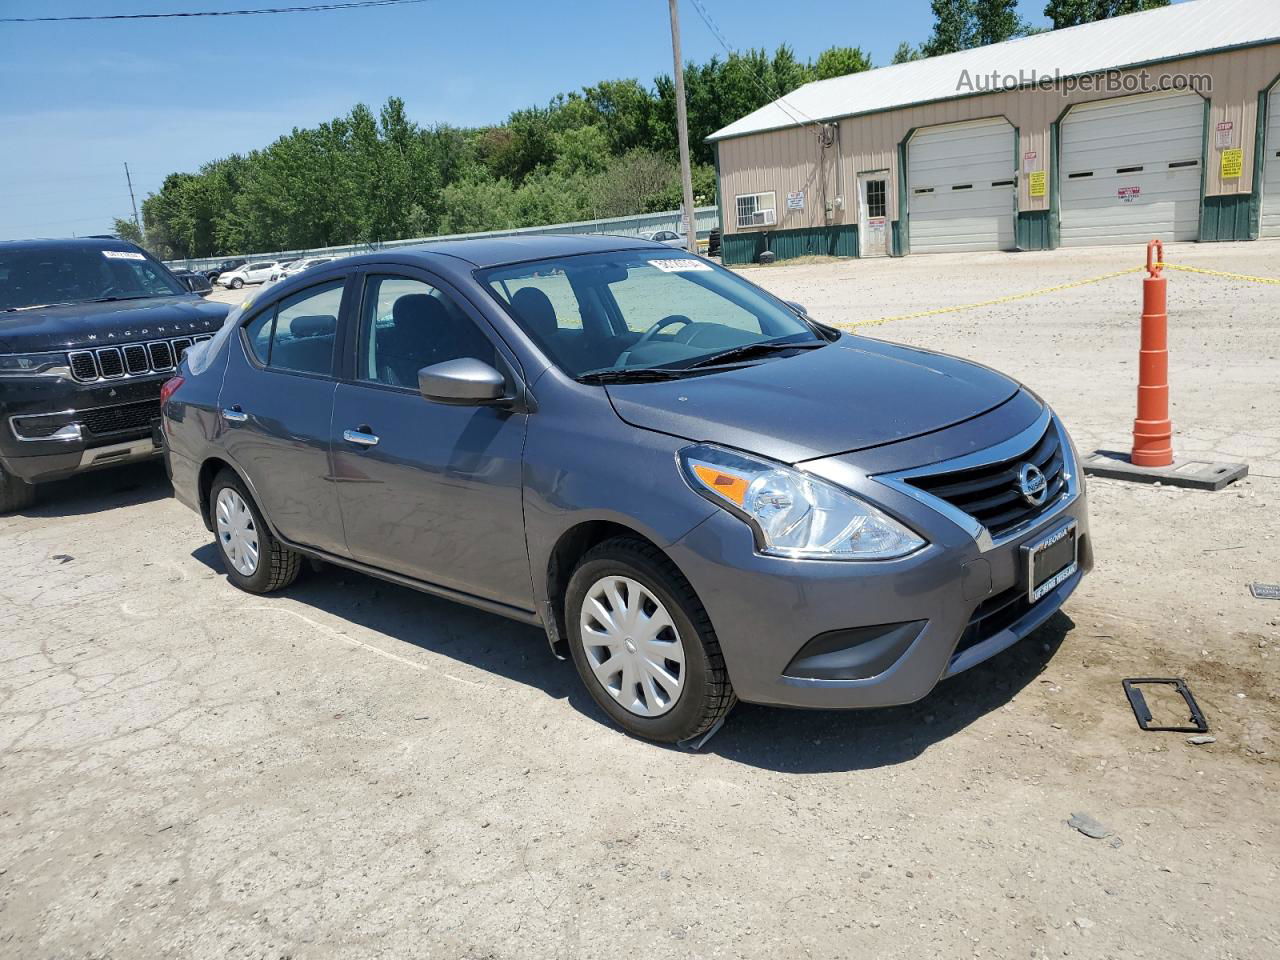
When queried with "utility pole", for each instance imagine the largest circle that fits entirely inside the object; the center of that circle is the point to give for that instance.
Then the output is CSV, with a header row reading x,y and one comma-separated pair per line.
x,y
682,125
129,180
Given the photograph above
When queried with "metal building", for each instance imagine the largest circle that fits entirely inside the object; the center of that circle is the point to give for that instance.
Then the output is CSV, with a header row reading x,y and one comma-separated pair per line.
x,y
1157,124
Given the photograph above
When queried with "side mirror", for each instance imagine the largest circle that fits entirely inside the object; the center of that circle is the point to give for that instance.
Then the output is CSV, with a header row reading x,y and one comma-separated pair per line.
x,y
465,382
196,283
797,307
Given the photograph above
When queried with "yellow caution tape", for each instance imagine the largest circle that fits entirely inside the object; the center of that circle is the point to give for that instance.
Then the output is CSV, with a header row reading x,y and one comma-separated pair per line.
x,y
1054,289
1219,273
998,300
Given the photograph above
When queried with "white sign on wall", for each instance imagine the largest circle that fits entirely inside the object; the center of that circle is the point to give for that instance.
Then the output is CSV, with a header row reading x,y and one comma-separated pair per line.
x,y
795,201
1226,131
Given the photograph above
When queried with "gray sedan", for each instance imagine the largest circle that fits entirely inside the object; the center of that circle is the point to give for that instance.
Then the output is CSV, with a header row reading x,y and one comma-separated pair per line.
x,y
700,493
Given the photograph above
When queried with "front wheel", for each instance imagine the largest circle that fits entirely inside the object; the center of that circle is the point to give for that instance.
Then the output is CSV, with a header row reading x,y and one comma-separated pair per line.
x,y
236,283
15,493
643,644
251,555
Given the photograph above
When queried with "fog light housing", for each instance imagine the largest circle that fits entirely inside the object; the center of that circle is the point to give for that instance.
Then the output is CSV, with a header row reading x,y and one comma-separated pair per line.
x,y
858,653
46,426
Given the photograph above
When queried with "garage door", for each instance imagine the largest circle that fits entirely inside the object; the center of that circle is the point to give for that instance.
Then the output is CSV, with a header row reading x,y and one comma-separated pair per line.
x,y
1130,170
962,181
1271,168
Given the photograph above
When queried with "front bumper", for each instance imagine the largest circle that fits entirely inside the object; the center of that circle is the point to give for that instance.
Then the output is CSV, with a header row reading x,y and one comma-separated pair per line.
x,y
957,602
101,424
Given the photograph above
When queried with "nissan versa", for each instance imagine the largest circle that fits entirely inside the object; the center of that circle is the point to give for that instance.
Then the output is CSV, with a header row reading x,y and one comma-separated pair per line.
x,y
696,490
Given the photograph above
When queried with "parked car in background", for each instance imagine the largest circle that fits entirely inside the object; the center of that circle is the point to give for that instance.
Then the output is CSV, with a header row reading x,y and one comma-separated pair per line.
x,y
669,237
297,266
224,267
196,282
257,272
89,330
700,493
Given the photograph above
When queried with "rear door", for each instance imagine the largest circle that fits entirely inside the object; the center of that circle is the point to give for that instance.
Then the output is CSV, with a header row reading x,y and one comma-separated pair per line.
x,y
275,410
429,490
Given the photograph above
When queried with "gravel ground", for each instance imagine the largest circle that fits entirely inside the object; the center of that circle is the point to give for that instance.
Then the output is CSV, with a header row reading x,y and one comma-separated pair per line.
x,y
351,769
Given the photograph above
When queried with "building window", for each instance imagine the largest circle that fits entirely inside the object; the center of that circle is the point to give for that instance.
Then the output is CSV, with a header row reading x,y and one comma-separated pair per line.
x,y
757,210
875,198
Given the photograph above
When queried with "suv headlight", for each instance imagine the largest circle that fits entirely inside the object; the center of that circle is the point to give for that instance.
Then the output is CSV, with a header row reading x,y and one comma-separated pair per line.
x,y
794,514
20,364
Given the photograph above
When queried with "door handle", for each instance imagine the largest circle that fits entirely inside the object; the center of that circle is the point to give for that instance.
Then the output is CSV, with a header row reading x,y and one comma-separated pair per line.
x,y
362,437
234,414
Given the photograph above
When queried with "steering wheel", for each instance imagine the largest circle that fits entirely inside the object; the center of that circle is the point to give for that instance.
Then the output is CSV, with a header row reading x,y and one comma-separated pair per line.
x,y
657,328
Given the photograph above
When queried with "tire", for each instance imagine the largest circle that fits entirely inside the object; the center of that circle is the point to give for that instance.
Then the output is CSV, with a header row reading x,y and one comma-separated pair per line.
x,y
236,283
15,493
274,566
703,694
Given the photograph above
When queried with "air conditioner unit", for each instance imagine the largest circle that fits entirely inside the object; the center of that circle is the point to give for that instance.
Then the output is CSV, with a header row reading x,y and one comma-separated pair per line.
x,y
770,217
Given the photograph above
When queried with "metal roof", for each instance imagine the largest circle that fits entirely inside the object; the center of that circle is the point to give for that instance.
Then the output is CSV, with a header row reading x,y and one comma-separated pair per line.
x,y
1168,33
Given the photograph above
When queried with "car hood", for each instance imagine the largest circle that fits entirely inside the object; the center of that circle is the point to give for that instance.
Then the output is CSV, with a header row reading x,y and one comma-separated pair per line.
x,y
101,324
856,393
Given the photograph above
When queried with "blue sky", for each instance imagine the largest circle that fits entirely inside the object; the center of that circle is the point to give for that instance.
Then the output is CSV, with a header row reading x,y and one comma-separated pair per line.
x,y
79,99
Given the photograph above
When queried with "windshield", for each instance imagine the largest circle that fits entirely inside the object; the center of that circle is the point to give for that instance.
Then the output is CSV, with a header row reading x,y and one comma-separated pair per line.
x,y
637,310
32,277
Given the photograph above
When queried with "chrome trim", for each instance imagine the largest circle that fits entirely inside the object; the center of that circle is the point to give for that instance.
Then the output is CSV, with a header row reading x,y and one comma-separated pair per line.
x,y
152,345
118,453
356,436
71,360
13,426
171,343
1006,450
102,375
234,416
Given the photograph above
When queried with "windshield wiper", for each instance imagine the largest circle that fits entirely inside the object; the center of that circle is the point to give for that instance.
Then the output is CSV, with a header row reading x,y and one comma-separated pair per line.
x,y
36,306
749,350
634,375
137,296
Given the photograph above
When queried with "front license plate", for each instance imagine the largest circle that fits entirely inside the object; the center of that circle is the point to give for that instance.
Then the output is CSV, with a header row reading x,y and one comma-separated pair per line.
x,y
1051,561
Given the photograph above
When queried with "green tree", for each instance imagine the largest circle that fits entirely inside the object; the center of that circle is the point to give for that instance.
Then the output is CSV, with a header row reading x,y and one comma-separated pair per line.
x,y
128,230
907,53
962,24
1072,13
839,61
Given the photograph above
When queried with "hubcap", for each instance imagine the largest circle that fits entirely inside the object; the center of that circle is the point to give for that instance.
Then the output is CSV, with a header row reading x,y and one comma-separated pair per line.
x,y
632,646
237,534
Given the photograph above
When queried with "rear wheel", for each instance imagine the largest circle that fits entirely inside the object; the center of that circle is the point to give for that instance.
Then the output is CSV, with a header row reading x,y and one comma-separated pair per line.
x,y
252,557
15,493
643,644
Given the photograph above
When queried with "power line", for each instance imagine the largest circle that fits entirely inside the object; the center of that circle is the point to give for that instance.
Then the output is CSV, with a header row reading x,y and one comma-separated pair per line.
x,y
309,8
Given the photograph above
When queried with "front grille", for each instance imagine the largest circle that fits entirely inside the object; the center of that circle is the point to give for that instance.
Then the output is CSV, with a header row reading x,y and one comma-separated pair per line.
x,y
131,359
990,493
129,416
110,363
993,615
83,366
135,359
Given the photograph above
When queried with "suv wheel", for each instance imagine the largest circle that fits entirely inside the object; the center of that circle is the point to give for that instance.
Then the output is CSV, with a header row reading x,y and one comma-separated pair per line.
x,y
15,493
643,644
236,283
253,559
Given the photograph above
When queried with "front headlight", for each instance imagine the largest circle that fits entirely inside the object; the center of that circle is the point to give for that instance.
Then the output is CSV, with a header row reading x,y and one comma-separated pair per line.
x,y
20,364
793,513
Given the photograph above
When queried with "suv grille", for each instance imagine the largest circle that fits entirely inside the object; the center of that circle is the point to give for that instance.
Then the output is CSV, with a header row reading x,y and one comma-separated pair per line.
x,y
131,359
129,416
990,493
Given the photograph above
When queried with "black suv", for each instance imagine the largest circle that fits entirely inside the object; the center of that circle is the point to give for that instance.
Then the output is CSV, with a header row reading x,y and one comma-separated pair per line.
x,y
226,266
89,330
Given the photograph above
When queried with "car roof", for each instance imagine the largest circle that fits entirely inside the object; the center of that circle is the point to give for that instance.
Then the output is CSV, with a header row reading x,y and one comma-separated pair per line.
x,y
499,251
67,243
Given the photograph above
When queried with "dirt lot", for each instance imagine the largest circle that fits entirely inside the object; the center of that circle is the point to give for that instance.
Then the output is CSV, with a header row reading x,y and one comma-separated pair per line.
x,y
355,770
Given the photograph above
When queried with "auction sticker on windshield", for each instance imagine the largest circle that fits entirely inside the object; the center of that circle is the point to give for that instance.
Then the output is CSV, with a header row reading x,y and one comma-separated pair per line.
x,y
122,255
679,265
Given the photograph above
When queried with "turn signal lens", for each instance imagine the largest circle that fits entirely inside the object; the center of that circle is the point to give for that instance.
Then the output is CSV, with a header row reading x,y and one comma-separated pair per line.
x,y
167,389
793,513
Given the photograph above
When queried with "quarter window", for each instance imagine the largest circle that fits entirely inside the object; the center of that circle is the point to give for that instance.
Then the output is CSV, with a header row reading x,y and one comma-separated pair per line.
x,y
407,325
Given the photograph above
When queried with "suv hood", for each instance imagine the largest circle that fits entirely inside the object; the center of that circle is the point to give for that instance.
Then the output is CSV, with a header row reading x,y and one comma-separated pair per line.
x,y
101,324
854,394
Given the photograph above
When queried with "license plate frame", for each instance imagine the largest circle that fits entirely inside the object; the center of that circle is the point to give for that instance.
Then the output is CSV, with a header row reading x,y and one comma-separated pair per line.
x,y
1037,590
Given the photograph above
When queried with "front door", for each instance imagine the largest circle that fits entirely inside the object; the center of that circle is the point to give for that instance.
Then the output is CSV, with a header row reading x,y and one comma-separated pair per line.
x,y
873,221
429,490
275,406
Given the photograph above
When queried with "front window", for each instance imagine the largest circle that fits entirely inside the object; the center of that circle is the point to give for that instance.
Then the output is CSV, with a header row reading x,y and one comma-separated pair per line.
x,y
34,276
635,310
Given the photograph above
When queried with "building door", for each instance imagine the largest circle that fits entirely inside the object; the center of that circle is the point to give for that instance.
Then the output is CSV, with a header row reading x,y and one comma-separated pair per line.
x,y
873,219
962,179
1271,167
1130,170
